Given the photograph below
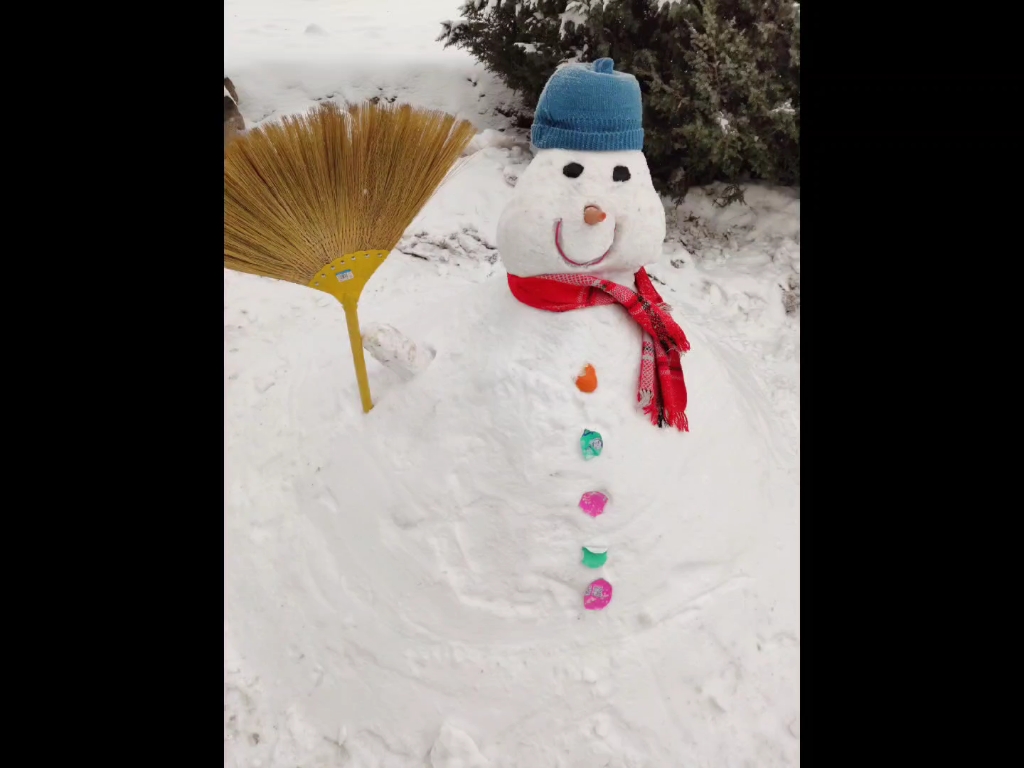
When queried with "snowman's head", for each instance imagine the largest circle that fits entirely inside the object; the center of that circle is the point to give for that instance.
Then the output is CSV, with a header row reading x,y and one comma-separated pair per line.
x,y
586,203
576,211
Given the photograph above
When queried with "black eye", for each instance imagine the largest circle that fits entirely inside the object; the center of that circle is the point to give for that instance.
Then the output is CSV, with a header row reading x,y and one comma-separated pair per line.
x,y
572,170
621,173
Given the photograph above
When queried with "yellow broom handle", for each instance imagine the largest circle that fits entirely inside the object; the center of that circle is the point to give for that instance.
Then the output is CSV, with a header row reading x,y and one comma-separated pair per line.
x,y
356,339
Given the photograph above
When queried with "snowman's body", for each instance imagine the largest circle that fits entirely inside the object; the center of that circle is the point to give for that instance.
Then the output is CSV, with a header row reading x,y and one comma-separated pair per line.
x,y
482,456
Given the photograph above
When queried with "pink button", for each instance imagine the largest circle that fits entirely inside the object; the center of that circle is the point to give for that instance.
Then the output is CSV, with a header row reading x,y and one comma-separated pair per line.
x,y
598,595
593,503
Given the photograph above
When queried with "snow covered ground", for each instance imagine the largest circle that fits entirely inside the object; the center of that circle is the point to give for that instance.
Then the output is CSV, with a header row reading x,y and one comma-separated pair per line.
x,y
294,698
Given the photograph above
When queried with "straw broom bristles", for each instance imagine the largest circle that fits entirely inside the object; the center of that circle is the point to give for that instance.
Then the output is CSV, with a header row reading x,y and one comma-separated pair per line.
x,y
301,193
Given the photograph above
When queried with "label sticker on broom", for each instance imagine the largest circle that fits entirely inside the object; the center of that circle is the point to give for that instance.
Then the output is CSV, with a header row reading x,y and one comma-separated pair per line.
x,y
345,275
598,595
593,503
592,444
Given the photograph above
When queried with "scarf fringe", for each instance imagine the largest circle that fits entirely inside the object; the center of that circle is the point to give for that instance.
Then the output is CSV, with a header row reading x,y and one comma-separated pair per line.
x,y
660,419
680,422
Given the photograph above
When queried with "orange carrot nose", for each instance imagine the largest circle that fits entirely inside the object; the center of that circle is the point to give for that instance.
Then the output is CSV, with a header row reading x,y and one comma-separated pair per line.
x,y
594,215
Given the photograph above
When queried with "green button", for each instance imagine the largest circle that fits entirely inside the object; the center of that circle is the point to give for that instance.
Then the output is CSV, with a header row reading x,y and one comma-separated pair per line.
x,y
594,559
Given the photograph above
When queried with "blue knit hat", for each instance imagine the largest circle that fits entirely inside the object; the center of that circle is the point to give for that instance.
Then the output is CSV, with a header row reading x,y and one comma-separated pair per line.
x,y
589,107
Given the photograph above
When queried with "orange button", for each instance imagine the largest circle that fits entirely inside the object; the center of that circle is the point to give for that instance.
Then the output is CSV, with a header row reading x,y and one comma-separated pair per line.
x,y
587,381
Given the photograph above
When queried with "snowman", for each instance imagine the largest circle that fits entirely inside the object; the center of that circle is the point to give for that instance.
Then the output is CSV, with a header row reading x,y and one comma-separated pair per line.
x,y
453,560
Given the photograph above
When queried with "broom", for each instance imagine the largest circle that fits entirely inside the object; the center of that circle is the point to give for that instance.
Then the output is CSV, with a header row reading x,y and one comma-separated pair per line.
x,y
321,199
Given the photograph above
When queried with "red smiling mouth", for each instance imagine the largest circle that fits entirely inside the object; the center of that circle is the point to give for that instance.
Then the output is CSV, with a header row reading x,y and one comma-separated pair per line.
x,y
566,259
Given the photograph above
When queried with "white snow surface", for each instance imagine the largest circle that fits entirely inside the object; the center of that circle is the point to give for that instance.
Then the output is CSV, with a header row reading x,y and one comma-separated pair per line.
x,y
391,598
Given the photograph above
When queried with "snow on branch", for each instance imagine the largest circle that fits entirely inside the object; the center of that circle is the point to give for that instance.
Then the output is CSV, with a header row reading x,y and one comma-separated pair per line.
x,y
576,11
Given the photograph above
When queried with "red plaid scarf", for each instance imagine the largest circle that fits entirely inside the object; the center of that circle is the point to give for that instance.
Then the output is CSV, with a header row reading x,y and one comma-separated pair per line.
x,y
662,391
